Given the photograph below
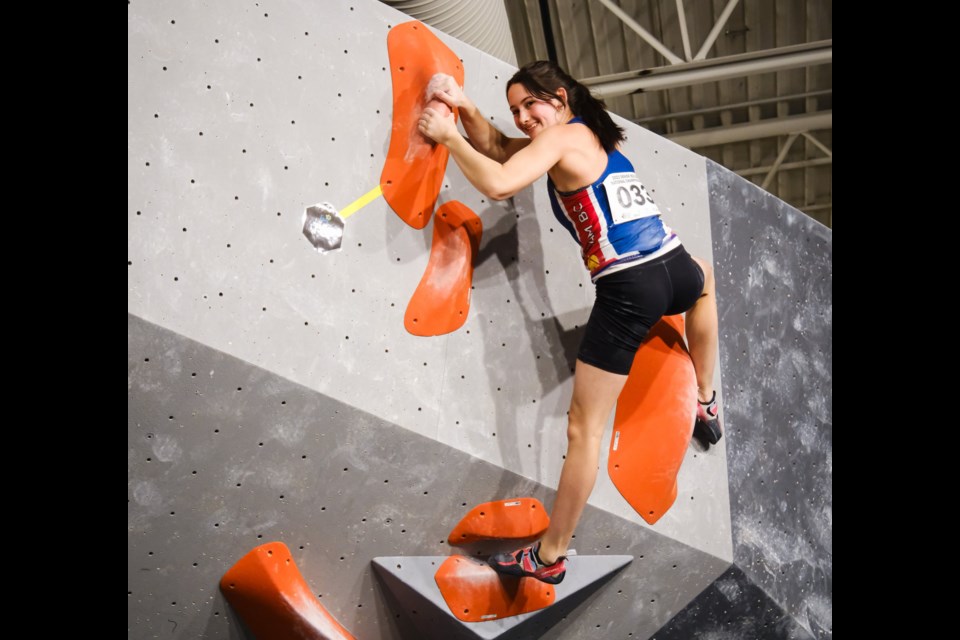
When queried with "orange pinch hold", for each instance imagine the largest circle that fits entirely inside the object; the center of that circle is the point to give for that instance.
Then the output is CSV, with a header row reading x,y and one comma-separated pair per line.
x,y
474,592
268,592
441,301
413,172
654,421
516,518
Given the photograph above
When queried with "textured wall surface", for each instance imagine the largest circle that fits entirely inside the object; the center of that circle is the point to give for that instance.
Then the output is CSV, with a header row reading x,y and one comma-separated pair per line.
x,y
733,608
774,268
240,120
224,456
259,369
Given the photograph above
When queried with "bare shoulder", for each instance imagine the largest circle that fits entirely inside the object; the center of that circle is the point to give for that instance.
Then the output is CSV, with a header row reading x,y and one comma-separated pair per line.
x,y
580,132
582,159
567,136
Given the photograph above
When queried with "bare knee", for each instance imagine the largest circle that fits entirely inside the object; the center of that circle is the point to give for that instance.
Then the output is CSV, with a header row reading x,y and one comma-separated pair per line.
x,y
579,428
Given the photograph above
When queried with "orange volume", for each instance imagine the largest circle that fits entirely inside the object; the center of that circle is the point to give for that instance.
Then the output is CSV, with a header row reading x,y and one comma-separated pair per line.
x,y
268,592
654,421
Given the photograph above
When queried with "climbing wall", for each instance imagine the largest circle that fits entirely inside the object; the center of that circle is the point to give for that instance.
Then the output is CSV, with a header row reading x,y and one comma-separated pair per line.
x,y
274,393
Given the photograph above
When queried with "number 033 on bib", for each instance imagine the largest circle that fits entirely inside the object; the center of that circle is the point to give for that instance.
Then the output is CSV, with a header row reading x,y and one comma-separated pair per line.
x,y
628,198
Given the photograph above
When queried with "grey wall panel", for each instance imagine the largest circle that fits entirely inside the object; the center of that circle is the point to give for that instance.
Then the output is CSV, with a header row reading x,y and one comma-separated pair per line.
x,y
731,609
224,456
774,286
293,101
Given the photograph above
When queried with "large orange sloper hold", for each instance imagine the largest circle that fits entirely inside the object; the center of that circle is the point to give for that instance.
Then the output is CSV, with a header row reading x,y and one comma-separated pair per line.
x,y
441,301
474,592
414,169
268,592
654,421
512,519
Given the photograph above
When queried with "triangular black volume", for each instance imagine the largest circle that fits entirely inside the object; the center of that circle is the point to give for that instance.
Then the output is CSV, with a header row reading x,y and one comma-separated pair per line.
x,y
410,580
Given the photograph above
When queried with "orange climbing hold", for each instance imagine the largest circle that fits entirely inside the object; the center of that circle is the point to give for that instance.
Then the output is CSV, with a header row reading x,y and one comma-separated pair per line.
x,y
516,518
268,592
474,592
654,421
441,301
413,172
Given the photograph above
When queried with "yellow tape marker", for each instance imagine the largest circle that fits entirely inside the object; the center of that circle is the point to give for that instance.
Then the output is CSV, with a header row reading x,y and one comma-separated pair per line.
x,y
361,202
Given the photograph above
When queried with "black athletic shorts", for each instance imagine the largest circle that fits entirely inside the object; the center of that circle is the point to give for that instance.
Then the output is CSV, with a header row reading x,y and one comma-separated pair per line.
x,y
631,301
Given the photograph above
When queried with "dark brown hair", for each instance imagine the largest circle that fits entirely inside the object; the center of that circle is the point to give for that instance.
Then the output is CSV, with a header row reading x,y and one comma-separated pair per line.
x,y
542,78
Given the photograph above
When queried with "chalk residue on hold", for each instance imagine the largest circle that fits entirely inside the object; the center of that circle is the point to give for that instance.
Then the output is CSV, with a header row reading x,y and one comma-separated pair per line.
x,y
455,253
419,145
315,617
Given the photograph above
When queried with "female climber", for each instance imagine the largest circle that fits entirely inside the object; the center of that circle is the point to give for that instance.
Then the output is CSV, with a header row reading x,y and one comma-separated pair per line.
x,y
640,269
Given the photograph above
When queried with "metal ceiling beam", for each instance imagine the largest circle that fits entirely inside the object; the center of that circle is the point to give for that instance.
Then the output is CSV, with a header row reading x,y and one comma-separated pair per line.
x,y
643,33
715,32
818,144
732,106
753,130
690,73
682,18
780,157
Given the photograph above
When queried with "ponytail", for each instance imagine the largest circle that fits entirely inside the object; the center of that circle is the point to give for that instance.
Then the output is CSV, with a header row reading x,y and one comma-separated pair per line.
x,y
543,78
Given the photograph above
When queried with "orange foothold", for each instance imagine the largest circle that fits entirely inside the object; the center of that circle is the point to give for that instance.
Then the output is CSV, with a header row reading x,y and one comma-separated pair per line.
x,y
441,301
474,592
268,592
413,172
516,518
654,421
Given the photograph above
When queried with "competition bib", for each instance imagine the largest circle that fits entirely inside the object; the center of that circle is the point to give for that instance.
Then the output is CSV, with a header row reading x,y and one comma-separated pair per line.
x,y
628,198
